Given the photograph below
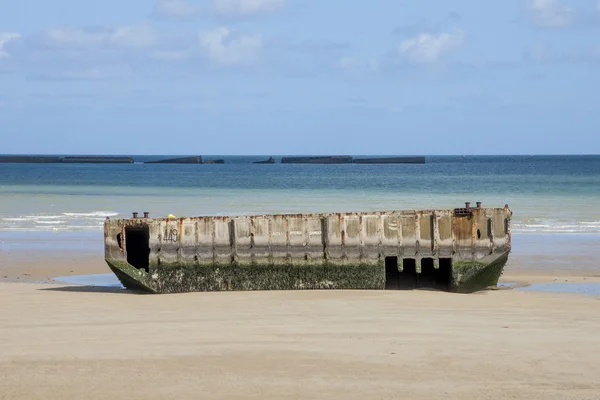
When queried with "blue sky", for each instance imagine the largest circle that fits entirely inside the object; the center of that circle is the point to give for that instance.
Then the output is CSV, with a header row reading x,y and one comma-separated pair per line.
x,y
300,77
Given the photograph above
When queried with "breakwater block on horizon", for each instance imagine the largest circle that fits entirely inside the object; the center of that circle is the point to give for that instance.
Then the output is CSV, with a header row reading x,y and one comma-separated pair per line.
x,y
270,160
390,160
317,160
180,160
30,159
215,162
97,160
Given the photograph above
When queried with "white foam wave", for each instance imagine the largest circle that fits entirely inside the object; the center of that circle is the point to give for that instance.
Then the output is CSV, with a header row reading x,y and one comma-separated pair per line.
x,y
587,223
15,219
93,214
32,218
66,221
47,228
556,226
56,221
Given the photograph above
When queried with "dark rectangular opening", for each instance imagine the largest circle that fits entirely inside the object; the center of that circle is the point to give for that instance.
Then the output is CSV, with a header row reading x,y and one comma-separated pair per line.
x,y
392,274
444,275
431,277
408,277
137,240
427,279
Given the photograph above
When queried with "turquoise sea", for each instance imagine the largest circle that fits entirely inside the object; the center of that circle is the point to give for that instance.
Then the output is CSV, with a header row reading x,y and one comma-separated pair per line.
x,y
548,194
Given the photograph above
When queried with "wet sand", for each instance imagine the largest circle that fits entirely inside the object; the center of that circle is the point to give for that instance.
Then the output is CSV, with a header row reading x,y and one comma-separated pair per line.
x,y
66,341
38,257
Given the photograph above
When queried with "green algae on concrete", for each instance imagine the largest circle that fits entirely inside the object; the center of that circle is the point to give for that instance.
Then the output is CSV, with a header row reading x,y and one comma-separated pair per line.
x,y
131,277
469,276
190,278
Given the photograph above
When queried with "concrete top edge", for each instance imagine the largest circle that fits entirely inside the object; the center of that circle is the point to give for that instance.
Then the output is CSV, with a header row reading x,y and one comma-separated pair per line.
x,y
141,218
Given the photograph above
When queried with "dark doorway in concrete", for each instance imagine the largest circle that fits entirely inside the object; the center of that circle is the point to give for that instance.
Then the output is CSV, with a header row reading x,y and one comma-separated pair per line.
x,y
444,275
433,278
409,278
392,275
430,277
137,243
428,274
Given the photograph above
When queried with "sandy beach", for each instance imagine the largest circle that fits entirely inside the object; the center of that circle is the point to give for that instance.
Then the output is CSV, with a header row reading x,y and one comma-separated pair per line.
x,y
66,341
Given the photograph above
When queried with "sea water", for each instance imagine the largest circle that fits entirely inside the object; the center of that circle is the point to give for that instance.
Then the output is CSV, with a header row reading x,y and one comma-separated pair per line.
x,y
548,194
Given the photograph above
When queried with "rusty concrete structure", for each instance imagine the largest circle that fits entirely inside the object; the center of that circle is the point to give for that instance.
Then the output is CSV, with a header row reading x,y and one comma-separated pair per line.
x,y
462,249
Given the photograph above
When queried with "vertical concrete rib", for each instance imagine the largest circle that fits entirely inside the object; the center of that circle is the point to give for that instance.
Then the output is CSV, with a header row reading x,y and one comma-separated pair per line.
x,y
252,241
213,228
380,228
473,237
270,256
288,246
160,243
418,242
361,242
179,257
491,233
435,239
196,242
306,236
325,237
400,243
343,237
232,241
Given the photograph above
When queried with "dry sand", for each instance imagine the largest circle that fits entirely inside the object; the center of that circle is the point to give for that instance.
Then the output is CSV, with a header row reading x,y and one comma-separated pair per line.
x,y
59,341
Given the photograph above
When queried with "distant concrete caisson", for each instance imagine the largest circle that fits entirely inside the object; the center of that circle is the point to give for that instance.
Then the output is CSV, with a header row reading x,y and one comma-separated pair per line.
x,y
462,250
179,160
270,160
66,160
317,160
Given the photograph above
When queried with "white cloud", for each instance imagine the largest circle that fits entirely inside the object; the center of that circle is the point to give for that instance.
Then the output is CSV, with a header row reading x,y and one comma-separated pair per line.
x,y
246,7
5,38
428,48
227,48
551,13
176,9
125,36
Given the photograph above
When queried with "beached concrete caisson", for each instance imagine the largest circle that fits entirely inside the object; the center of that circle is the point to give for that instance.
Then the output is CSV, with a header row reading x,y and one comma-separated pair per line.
x,y
463,249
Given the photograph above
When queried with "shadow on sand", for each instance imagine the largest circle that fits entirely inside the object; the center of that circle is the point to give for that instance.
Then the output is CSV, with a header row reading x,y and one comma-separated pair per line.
x,y
92,289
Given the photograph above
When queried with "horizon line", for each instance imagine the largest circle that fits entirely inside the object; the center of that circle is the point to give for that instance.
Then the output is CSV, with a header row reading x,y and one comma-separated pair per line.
x,y
296,155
